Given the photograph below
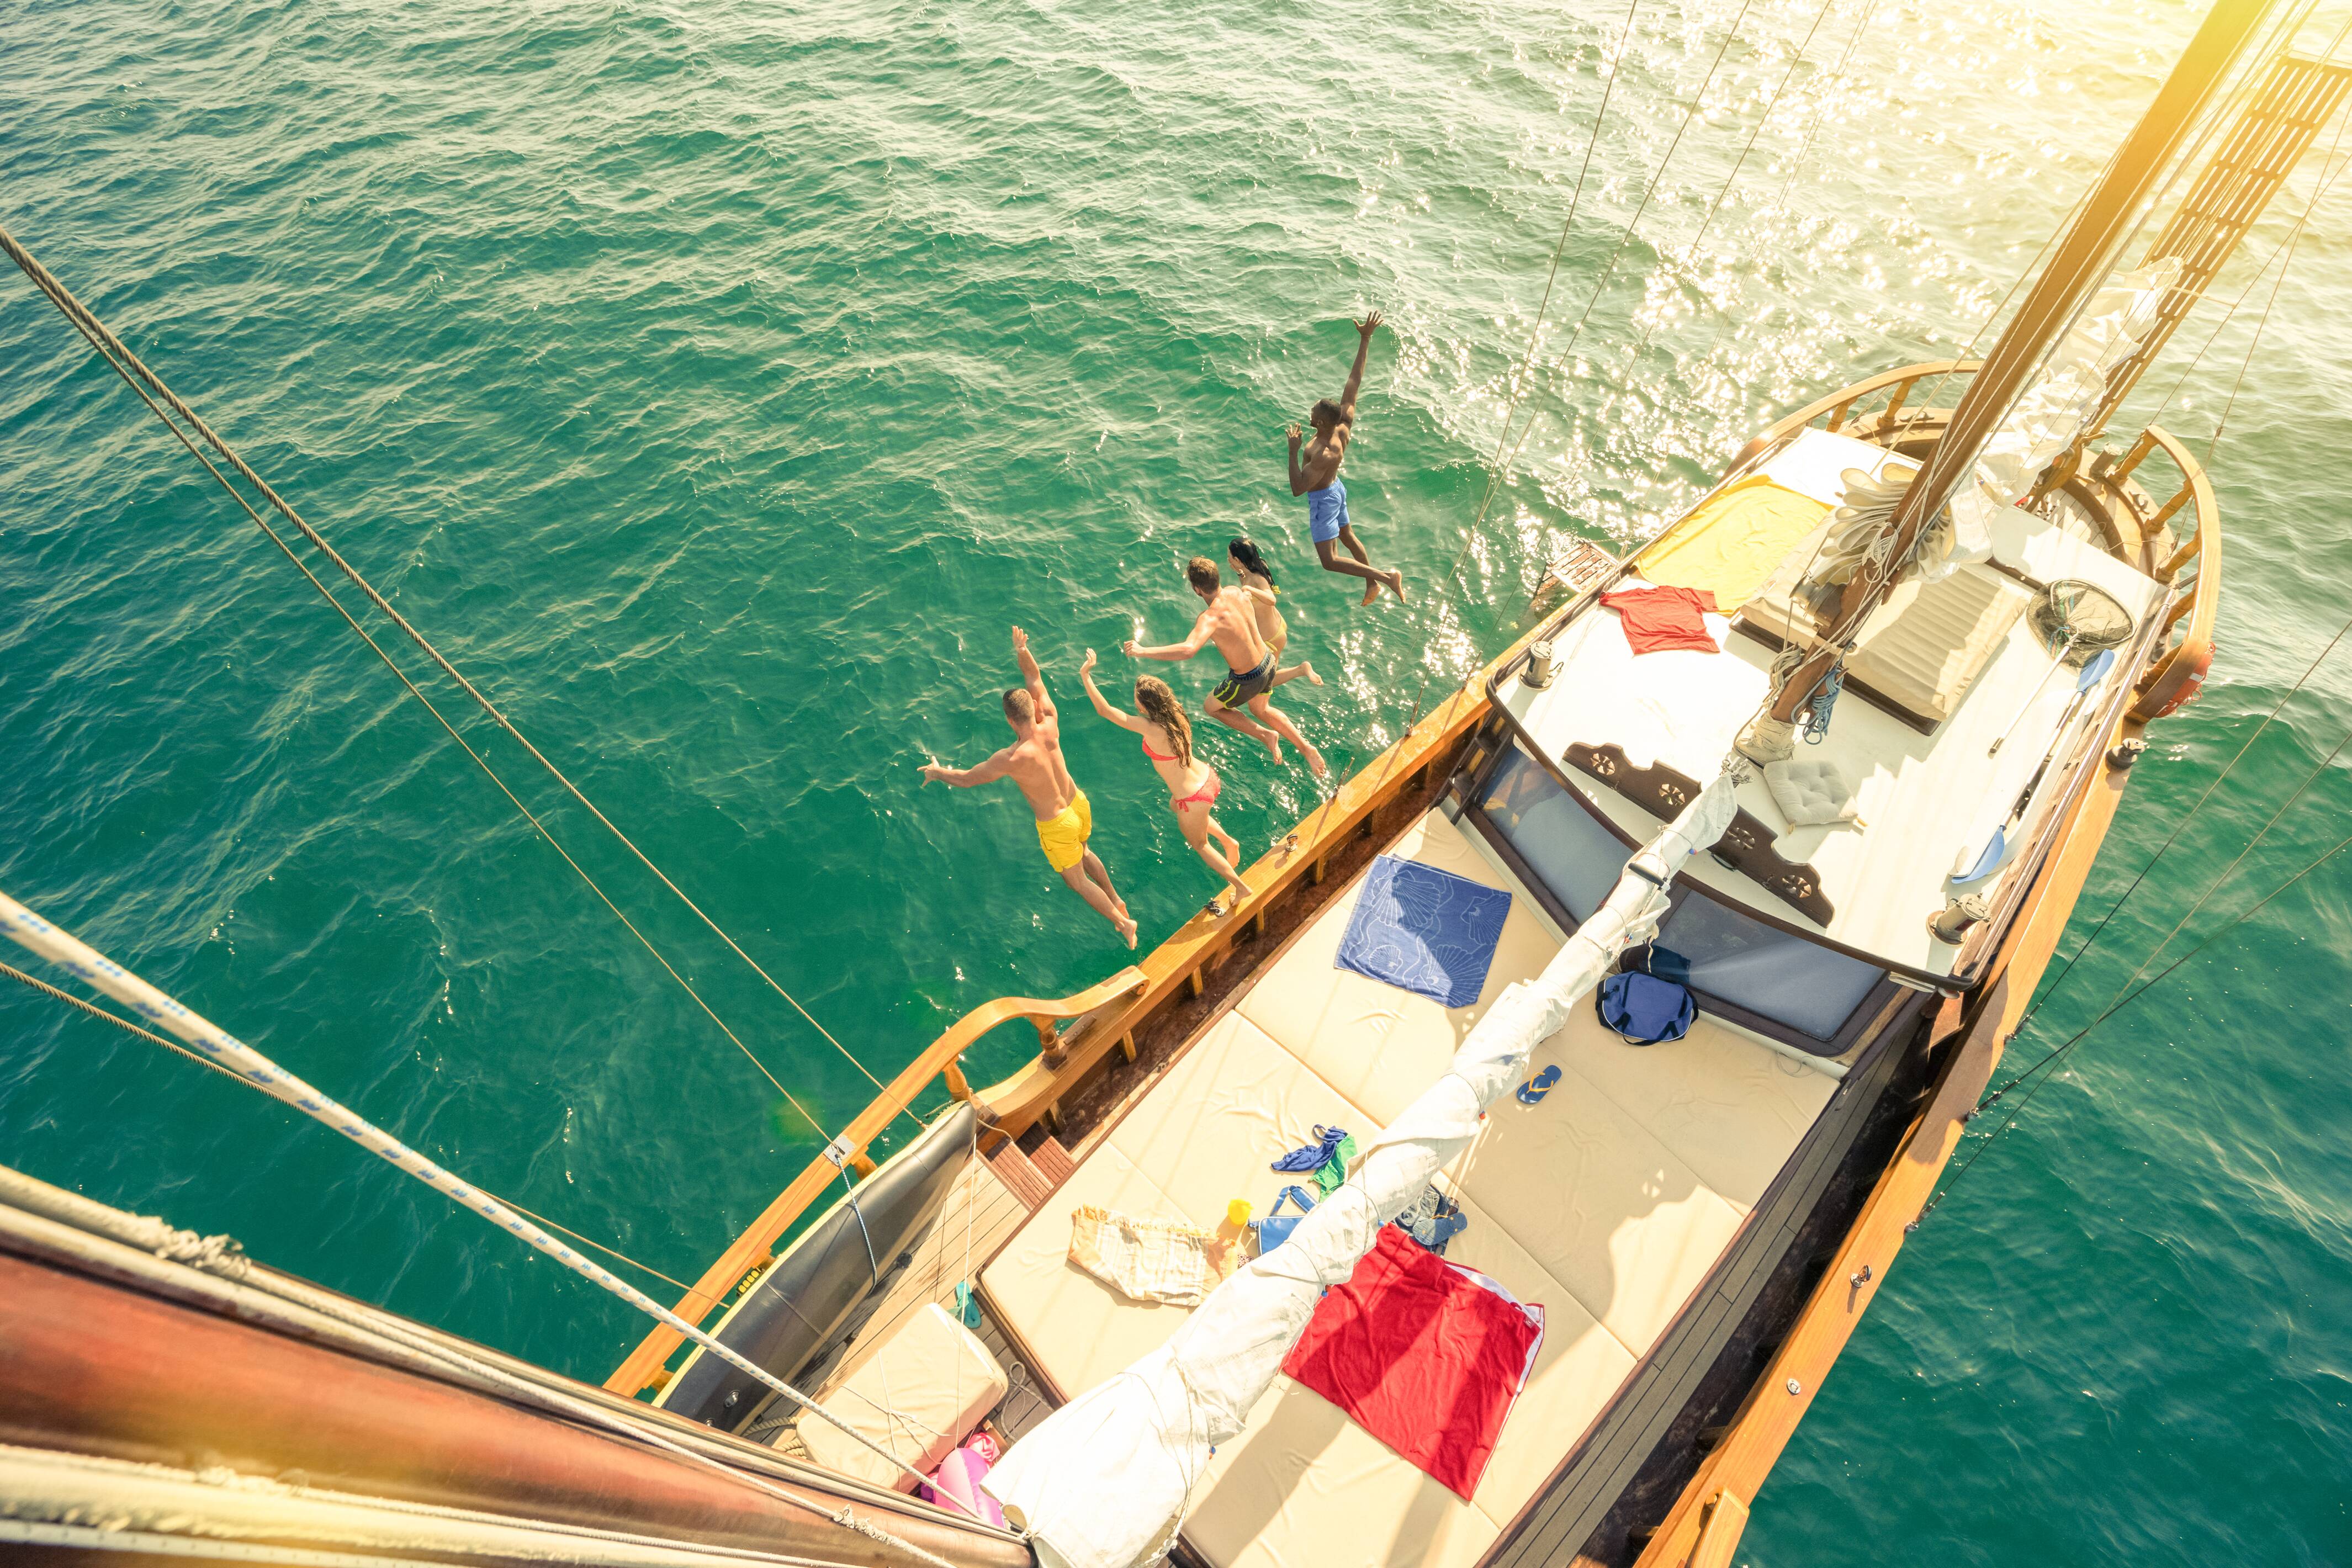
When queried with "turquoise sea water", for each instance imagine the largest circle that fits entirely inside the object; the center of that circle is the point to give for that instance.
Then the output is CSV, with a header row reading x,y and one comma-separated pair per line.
x,y
717,385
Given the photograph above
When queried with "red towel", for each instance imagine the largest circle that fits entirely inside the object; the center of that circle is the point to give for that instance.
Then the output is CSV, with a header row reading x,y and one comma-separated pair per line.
x,y
1424,1354
1656,619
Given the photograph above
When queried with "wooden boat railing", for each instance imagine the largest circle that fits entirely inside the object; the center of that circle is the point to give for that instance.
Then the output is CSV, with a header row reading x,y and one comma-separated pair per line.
x,y
1100,1019
940,1060
2107,487
2179,672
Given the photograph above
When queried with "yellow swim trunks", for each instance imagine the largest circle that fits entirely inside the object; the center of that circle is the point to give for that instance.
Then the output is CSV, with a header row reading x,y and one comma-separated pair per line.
x,y
1063,835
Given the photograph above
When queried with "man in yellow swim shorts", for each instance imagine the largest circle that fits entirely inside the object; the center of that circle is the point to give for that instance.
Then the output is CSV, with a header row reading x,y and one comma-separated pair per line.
x,y
1034,762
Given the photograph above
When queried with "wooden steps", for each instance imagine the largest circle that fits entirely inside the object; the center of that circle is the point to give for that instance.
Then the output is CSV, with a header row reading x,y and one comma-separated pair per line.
x,y
1032,1178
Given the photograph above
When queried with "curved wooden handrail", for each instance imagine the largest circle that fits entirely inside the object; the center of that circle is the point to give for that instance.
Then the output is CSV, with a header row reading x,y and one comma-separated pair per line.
x,y
1839,404
1203,942
938,1061
2179,672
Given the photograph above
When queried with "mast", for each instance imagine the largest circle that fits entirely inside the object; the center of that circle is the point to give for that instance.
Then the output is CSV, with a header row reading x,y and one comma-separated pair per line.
x,y
2081,265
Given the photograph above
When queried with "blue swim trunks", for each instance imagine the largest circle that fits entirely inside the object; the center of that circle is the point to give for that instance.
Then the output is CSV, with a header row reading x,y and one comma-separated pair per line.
x,y
1327,512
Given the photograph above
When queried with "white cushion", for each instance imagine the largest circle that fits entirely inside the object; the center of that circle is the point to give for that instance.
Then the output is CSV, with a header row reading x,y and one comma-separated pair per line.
x,y
1809,792
916,1394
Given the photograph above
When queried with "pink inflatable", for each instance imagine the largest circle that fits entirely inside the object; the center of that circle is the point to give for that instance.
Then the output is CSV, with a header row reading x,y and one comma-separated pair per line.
x,y
958,1475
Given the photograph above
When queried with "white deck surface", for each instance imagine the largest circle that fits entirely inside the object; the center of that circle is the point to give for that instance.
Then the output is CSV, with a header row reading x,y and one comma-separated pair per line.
x,y
1922,796
1606,1204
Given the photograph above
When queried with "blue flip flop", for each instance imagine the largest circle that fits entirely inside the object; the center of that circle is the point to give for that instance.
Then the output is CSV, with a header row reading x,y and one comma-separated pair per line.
x,y
1531,1092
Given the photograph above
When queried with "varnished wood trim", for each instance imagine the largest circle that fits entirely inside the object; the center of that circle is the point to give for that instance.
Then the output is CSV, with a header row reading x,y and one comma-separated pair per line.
x,y
1766,1421
637,1370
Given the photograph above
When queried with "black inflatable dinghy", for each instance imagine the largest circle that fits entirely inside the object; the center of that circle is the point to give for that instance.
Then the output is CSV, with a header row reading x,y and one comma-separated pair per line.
x,y
809,1297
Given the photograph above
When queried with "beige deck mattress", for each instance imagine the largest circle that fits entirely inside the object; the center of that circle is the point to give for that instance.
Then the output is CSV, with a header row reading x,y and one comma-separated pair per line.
x,y
1585,1205
1303,1485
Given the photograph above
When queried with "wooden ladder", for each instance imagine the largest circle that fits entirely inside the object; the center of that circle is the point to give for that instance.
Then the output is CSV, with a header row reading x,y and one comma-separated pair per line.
x,y
2254,159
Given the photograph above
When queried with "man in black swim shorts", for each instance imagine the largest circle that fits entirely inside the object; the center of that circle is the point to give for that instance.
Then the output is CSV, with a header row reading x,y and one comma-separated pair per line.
x,y
1240,701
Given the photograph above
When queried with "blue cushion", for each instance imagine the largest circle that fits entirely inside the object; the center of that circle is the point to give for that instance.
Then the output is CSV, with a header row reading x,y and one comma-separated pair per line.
x,y
1425,930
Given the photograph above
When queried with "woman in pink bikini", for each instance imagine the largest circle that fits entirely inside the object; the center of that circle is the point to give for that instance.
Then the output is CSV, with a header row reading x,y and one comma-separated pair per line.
x,y
1193,784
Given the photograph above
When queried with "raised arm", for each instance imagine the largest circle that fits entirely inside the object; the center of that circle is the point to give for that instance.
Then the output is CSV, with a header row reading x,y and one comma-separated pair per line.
x,y
1175,652
1297,474
1031,675
987,772
1124,721
1364,331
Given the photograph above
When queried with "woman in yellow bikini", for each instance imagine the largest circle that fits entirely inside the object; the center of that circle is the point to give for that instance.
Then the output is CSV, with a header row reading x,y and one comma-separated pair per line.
x,y
1192,784
1250,569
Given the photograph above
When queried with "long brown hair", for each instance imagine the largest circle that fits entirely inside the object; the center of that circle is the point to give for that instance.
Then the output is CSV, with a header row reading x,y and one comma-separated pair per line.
x,y
1160,705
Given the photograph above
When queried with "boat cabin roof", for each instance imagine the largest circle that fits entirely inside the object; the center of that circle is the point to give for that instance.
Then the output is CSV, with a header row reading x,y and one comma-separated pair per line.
x,y
1925,784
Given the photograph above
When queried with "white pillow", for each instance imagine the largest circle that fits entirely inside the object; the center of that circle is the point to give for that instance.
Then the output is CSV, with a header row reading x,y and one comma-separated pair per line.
x,y
1810,793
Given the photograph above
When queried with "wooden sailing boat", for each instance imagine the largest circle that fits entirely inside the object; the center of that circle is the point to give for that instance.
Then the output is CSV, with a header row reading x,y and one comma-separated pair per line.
x,y
1703,1221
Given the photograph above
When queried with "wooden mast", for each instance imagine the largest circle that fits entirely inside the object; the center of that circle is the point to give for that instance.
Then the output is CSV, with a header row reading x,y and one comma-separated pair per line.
x,y
2084,259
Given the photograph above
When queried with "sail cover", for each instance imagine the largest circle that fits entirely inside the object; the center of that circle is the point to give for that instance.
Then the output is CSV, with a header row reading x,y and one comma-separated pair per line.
x,y
1104,1482
2049,418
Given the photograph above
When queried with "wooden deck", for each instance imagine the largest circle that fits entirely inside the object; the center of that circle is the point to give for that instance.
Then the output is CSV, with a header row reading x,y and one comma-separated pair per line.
x,y
980,1211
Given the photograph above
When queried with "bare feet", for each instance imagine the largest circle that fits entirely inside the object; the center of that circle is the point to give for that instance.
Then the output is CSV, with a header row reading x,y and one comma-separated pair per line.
x,y
1308,671
1396,585
1315,762
1273,744
1372,592
1125,927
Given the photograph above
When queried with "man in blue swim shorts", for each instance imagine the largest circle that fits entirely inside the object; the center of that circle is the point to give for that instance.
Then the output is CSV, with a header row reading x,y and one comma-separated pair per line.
x,y
1315,474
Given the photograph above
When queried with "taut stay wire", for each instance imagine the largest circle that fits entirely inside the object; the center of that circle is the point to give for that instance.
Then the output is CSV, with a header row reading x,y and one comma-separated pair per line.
x,y
126,362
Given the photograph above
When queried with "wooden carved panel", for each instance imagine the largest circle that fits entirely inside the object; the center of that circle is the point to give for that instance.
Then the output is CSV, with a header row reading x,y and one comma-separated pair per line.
x,y
1747,843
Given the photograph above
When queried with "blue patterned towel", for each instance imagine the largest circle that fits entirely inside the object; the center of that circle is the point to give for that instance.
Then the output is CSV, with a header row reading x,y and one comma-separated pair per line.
x,y
1425,930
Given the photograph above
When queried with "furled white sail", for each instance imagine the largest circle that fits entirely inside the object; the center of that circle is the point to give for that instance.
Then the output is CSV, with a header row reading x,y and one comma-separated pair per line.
x,y
1104,1482
2046,421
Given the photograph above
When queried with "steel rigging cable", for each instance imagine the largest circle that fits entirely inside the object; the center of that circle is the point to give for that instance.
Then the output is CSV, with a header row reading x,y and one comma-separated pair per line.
x,y
134,372
33,983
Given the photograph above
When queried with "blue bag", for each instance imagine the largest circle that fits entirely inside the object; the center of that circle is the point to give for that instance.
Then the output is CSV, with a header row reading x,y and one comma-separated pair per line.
x,y
1276,1227
1644,1009
1662,961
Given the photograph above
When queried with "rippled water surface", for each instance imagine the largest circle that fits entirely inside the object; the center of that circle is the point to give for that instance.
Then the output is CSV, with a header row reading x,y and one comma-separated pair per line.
x,y
717,385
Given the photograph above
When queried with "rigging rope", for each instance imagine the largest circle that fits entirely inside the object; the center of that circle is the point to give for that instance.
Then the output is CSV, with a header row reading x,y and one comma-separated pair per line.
x,y
94,969
478,760
1521,382
2262,325
2121,1001
1502,466
126,1026
126,364
1755,131
2285,248
2282,31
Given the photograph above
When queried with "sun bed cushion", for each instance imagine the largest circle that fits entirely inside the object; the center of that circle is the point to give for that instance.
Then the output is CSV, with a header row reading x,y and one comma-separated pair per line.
x,y
1924,646
1304,1485
917,1393
1588,1182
